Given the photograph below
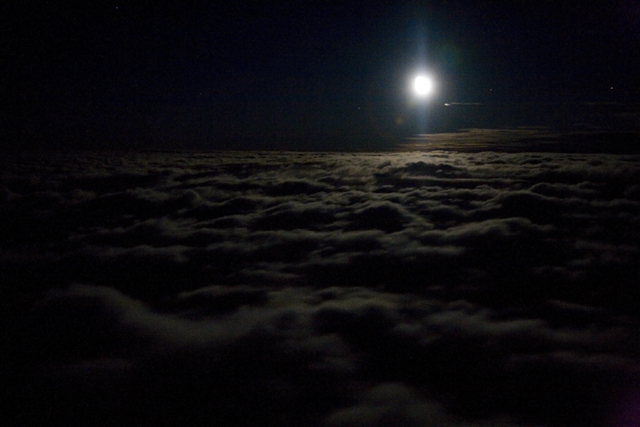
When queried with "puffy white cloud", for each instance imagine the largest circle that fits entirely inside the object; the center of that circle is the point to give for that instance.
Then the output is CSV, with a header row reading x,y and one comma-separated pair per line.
x,y
249,342
342,288
389,405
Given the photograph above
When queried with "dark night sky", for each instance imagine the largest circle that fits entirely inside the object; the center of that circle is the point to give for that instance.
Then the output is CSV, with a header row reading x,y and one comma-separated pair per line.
x,y
468,260
110,74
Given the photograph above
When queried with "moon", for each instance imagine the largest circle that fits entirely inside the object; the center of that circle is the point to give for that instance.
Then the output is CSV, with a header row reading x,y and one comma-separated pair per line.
x,y
422,86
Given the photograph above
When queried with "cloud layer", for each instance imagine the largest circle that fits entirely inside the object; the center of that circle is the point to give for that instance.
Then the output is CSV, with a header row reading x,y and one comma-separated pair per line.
x,y
333,289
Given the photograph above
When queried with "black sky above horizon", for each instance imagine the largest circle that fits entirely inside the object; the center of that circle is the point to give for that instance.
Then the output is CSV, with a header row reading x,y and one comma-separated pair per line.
x,y
170,74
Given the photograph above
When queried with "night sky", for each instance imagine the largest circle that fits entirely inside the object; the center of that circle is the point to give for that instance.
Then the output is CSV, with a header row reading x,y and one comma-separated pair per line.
x,y
242,215
311,75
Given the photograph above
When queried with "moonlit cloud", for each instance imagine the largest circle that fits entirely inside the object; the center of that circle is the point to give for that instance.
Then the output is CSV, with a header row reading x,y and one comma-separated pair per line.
x,y
332,289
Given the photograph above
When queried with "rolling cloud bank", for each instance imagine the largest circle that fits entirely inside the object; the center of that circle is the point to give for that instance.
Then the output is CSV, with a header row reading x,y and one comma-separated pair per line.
x,y
321,289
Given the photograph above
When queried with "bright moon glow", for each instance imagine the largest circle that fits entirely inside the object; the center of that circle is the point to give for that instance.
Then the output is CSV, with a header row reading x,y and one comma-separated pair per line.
x,y
422,85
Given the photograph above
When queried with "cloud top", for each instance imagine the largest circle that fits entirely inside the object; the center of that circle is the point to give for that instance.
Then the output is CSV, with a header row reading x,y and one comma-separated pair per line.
x,y
332,289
